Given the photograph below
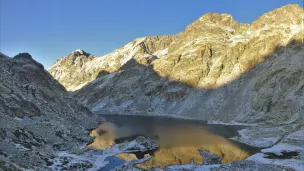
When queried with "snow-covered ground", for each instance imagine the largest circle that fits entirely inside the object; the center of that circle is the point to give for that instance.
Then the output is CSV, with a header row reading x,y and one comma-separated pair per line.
x,y
296,162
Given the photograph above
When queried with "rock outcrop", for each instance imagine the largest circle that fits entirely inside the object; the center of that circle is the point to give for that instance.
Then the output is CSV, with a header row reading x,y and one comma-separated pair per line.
x,y
38,118
210,158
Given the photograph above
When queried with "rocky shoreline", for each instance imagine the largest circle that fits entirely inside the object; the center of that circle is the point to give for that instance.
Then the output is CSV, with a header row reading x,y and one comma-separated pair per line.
x,y
279,157
280,150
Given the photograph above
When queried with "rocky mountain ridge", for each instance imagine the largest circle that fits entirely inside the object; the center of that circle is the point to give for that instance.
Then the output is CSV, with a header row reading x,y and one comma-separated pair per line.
x,y
211,52
197,72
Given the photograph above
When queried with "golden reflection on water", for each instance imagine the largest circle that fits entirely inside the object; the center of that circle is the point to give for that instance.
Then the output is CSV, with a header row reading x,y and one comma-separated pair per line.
x,y
179,144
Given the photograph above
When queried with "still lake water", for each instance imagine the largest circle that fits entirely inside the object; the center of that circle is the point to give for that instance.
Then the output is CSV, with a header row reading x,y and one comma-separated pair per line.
x,y
179,139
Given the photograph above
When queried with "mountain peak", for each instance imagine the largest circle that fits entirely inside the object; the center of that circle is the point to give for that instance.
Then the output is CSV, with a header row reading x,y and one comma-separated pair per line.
x,y
291,14
216,17
213,20
289,7
3,55
79,52
27,58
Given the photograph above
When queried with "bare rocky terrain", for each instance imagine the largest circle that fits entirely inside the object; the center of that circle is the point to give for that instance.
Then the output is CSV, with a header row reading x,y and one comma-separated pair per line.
x,y
38,118
217,70
210,52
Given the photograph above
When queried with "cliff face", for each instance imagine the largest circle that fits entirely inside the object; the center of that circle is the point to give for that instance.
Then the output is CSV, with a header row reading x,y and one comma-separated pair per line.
x,y
34,122
209,71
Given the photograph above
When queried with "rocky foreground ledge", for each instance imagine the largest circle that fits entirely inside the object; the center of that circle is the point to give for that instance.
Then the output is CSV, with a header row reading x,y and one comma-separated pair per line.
x,y
80,160
84,161
213,162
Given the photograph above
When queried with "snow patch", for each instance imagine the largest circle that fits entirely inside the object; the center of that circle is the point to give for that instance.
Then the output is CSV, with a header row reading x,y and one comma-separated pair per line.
x,y
238,39
161,52
123,55
189,52
277,149
18,119
267,138
21,147
230,123
292,163
78,50
98,106
295,163
98,161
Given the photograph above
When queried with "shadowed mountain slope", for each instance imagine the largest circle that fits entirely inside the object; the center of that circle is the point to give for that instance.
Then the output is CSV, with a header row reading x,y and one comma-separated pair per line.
x,y
38,118
270,93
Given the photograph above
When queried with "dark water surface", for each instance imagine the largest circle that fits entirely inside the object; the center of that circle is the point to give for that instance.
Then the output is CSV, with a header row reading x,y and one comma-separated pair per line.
x,y
179,139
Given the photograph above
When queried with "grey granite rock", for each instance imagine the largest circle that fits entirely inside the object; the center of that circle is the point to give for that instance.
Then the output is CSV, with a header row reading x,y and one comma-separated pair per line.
x,y
37,119
210,158
129,165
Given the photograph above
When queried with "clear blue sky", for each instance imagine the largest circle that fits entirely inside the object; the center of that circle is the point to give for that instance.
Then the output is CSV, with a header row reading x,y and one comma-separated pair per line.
x,y
51,29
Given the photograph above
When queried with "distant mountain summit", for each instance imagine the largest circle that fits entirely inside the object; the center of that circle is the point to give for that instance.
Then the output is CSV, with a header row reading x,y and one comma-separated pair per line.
x,y
216,69
77,57
71,65
212,51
